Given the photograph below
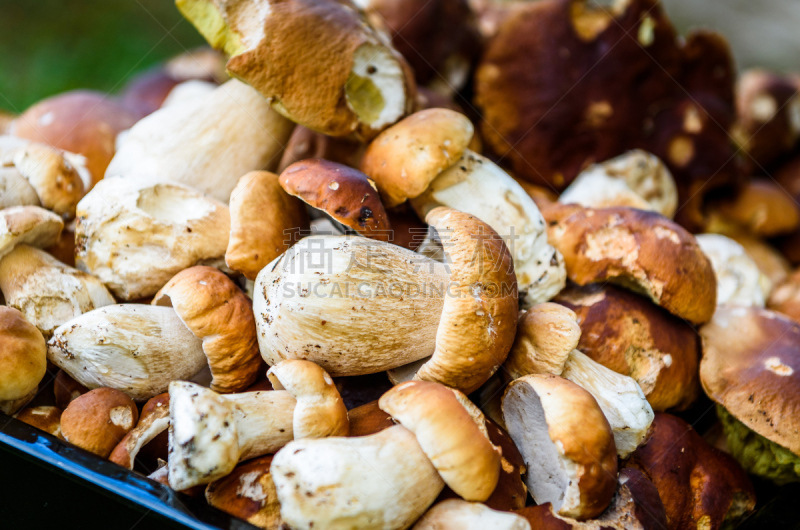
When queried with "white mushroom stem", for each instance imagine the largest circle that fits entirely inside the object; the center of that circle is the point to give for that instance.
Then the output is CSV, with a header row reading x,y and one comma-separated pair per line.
x,y
209,433
456,514
739,280
135,348
619,396
351,305
382,481
477,186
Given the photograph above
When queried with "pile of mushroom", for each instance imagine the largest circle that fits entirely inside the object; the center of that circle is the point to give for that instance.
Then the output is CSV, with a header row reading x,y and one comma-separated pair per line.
x,y
332,293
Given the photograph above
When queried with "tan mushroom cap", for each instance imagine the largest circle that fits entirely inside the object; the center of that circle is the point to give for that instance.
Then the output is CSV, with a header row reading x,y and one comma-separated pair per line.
x,y
263,217
449,436
45,418
320,410
751,366
632,336
566,441
407,156
546,335
248,493
28,224
344,193
23,355
153,421
98,420
639,250
762,207
220,314
479,316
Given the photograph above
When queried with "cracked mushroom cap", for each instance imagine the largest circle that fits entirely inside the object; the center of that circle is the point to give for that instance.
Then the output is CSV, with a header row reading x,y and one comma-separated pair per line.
x,y
546,335
449,436
319,63
632,336
23,356
344,193
216,311
248,493
739,280
135,348
455,514
48,292
98,420
153,421
699,485
135,234
320,410
383,480
639,250
406,157
30,225
479,317
567,444
262,217
45,418
751,367
80,121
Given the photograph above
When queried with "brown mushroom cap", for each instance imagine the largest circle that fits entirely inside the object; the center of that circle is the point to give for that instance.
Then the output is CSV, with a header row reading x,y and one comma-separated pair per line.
x,y
639,250
546,335
23,355
248,493
407,156
66,389
44,418
751,366
263,217
763,208
98,420
632,336
342,192
368,419
82,122
151,427
219,313
699,485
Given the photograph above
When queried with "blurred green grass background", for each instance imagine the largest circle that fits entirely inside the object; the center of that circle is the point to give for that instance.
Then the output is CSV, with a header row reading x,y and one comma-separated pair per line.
x,y
49,46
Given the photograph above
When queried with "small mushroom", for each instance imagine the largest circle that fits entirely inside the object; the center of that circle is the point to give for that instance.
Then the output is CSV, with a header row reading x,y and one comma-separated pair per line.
x,y
30,225
153,421
80,121
344,193
217,312
207,142
46,291
135,348
448,435
639,250
319,63
751,369
425,158
567,444
23,359
263,219
248,493
455,514
135,234
98,420
700,486
739,280
383,481
635,179
45,418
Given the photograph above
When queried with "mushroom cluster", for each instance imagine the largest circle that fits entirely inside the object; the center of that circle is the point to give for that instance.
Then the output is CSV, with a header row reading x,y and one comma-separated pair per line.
x,y
435,265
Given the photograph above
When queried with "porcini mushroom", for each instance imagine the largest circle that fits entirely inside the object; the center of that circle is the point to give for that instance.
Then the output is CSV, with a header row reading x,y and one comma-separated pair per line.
x,y
566,442
98,420
739,280
751,369
263,220
135,348
30,225
455,514
639,250
761,207
23,359
46,291
425,158
248,493
347,80
135,234
44,417
207,142
546,335
153,421
216,311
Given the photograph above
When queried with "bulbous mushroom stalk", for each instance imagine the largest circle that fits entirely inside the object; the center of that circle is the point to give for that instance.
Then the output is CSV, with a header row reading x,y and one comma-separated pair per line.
x,y
210,432
381,481
448,434
135,348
